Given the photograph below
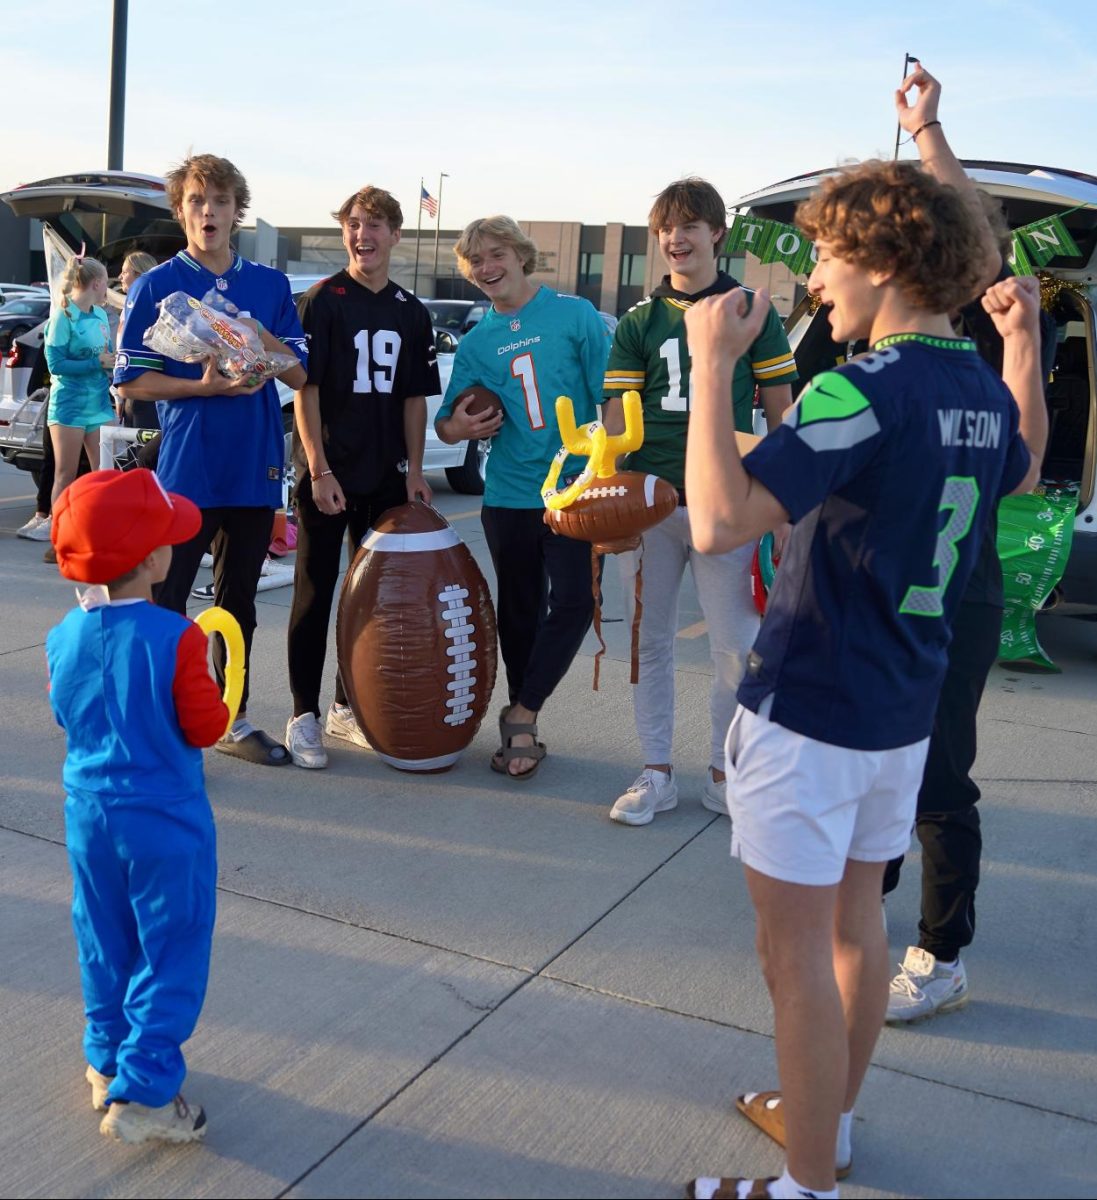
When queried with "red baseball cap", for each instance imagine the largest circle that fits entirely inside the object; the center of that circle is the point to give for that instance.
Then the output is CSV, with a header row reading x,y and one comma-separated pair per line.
x,y
106,522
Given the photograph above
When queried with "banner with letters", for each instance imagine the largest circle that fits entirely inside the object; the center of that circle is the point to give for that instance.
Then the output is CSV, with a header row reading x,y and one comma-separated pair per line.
x,y
1034,245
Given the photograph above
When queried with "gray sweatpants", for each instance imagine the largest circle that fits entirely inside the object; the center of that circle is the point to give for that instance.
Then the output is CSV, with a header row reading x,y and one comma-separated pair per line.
x,y
723,588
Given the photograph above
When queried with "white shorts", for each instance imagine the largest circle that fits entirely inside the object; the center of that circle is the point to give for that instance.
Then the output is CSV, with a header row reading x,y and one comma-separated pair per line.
x,y
799,808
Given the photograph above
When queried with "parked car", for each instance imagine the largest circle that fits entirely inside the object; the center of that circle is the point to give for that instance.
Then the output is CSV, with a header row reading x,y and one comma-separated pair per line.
x,y
455,317
23,291
1027,193
19,316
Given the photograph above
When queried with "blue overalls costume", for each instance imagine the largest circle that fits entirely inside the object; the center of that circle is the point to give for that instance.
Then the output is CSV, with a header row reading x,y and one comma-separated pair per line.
x,y
129,685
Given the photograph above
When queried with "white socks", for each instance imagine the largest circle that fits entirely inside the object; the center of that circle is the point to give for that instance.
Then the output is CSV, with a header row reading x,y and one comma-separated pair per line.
x,y
788,1189
843,1152
241,728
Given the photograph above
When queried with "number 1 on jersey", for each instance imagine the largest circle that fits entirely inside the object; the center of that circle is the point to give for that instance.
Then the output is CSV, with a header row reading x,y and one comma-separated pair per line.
x,y
522,370
674,401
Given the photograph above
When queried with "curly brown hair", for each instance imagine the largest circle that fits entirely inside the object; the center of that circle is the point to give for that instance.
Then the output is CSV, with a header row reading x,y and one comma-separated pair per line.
x,y
374,202
209,171
894,217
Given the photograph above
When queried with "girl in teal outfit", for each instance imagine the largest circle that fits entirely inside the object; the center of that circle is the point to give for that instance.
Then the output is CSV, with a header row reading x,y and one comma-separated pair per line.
x,y
80,357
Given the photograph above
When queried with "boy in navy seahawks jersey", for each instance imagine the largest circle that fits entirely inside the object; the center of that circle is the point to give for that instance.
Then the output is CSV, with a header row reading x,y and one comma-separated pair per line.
x,y
887,467
222,446
359,418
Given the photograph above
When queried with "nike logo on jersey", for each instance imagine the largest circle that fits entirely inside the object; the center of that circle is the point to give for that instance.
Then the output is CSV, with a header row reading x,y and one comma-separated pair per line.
x,y
966,427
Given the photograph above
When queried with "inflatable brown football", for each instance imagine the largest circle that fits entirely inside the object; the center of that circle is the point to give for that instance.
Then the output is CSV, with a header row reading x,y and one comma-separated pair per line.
x,y
615,510
416,640
484,400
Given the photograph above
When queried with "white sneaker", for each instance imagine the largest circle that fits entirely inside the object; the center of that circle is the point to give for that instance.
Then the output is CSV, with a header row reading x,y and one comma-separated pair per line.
x,y
715,796
303,740
342,723
923,988
136,1123
650,792
37,529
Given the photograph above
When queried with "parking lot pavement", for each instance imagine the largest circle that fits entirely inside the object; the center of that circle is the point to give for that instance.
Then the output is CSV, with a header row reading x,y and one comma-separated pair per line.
x,y
448,985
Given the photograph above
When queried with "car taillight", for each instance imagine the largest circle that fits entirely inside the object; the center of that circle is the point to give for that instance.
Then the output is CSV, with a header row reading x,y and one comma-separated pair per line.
x,y
13,360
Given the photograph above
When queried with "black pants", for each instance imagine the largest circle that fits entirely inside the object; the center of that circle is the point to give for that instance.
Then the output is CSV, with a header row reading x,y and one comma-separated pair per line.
x,y
947,821
319,546
544,603
239,538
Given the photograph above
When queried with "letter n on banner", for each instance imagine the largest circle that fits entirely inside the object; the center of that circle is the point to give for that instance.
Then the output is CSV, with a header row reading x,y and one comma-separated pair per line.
x,y
1046,239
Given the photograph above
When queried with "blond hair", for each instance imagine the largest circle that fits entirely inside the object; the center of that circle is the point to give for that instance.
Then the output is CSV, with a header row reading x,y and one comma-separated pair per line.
x,y
503,229
138,261
79,273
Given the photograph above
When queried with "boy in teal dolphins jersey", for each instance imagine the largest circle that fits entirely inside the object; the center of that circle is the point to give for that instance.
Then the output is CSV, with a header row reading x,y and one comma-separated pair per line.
x,y
532,346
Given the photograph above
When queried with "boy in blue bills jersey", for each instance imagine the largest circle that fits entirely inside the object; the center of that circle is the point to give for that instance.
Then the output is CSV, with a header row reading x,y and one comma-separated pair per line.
x,y
888,467
222,446
533,346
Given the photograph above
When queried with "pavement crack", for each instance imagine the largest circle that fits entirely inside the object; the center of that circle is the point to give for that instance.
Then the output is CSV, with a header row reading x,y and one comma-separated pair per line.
x,y
484,1008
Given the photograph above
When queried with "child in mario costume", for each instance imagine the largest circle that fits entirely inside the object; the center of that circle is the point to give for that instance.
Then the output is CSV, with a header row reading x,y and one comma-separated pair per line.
x,y
130,686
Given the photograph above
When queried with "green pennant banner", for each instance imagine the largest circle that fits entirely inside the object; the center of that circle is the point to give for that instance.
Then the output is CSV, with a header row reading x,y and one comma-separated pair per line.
x,y
1034,536
770,242
1038,243
1034,245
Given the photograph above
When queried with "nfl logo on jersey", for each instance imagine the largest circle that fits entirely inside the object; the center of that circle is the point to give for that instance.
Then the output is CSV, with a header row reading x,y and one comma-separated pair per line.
x,y
515,326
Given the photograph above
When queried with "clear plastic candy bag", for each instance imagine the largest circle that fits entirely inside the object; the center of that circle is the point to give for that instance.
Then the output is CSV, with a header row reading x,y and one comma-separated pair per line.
x,y
191,330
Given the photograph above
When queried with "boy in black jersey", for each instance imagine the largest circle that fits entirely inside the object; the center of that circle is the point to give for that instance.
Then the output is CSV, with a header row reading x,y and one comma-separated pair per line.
x,y
888,467
360,416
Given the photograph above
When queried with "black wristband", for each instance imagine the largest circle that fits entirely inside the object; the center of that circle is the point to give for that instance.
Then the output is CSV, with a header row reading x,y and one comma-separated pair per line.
x,y
921,127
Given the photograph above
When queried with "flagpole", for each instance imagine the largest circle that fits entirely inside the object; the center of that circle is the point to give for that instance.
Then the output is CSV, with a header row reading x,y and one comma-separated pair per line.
x,y
438,230
907,60
418,231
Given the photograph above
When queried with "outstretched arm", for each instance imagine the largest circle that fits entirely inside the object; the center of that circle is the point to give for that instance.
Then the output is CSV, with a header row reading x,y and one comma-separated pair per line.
x,y
919,119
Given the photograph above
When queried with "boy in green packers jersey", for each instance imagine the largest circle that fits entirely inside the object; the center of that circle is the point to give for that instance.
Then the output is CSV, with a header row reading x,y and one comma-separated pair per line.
x,y
650,355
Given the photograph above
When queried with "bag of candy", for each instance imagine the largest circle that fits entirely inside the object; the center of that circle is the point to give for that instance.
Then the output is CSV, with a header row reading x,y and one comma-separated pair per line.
x,y
191,330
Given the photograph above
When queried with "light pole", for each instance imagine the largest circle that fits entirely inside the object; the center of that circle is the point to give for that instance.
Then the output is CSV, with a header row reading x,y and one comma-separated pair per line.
x,y
117,121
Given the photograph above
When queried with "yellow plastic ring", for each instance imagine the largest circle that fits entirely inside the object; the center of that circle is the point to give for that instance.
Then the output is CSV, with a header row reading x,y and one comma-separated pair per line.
x,y
222,622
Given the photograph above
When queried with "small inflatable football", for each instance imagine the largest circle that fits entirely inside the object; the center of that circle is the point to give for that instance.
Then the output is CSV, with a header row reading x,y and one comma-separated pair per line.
x,y
616,509
484,400
415,636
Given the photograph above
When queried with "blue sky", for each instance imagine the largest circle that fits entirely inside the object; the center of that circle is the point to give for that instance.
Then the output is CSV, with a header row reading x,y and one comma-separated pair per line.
x,y
561,111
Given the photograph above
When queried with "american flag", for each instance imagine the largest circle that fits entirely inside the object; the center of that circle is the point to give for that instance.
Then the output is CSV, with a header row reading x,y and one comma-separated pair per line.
x,y
427,201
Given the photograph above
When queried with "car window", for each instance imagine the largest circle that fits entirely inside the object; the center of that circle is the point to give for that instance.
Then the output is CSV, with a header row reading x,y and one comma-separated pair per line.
x,y
22,308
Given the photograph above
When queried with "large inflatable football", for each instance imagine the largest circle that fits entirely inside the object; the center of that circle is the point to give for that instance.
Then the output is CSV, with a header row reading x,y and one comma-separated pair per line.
x,y
415,635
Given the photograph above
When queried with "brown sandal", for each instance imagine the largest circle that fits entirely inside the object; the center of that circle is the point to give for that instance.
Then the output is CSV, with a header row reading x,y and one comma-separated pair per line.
x,y
506,753
764,1110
